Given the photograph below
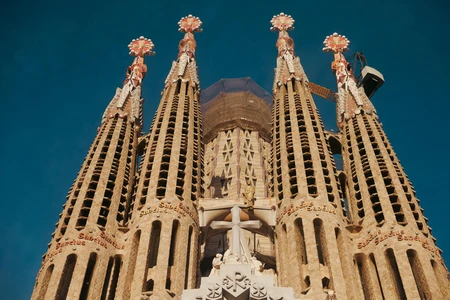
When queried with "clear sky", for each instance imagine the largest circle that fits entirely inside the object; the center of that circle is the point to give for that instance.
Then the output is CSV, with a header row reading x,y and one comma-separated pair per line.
x,y
61,62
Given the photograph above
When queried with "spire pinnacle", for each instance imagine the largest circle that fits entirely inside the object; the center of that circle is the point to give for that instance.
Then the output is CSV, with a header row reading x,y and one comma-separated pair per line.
x,y
288,64
135,73
336,43
282,22
350,101
187,47
141,47
190,24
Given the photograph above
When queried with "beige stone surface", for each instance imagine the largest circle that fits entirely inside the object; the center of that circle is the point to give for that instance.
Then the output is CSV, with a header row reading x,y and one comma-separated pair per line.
x,y
142,230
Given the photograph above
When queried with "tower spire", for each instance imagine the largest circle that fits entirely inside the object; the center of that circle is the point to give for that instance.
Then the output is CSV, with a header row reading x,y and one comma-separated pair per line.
x,y
351,99
139,48
185,68
303,172
288,64
169,183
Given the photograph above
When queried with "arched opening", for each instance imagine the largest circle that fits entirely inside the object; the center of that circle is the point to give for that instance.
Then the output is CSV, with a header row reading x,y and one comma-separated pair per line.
x,y
88,276
419,276
45,282
66,277
188,256
395,274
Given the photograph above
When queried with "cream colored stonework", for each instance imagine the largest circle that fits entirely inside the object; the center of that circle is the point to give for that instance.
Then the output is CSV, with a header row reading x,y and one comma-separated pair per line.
x,y
137,221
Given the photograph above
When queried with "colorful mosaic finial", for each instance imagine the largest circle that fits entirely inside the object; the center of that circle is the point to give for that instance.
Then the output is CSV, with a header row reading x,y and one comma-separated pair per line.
x,y
190,24
336,43
282,22
141,47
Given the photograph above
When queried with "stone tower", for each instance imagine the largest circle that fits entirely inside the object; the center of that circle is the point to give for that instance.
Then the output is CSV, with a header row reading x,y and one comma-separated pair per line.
x,y
395,256
86,240
164,250
147,216
311,217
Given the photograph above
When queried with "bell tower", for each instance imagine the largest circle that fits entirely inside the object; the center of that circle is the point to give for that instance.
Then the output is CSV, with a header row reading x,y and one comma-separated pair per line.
x,y
165,227
396,248
311,215
86,239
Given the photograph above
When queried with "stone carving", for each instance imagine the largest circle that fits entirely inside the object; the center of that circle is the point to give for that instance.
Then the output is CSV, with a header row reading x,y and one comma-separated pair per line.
x,y
288,64
188,45
249,194
131,89
214,291
348,91
257,266
235,226
216,263
236,283
330,295
258,291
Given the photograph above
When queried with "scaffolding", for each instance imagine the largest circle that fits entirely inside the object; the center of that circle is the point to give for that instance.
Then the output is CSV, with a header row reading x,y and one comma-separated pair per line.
x,y
239,102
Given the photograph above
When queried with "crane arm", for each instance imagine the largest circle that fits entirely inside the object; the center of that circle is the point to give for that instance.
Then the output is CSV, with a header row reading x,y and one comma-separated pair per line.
x,y
322,92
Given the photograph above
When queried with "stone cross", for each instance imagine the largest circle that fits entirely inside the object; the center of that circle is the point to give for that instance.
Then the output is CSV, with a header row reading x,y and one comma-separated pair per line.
x,y
236,226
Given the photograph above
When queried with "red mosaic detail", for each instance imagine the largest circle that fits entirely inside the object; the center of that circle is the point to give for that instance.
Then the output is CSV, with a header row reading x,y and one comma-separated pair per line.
x,y
336,43
141,47
190,24
282,22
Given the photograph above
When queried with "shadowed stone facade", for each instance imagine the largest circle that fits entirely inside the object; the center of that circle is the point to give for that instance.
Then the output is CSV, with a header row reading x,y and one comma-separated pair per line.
x,y
146,217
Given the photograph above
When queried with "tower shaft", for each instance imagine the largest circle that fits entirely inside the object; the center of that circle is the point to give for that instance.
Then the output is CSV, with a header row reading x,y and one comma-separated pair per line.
x,y
87,247
310,240
165,223
395,248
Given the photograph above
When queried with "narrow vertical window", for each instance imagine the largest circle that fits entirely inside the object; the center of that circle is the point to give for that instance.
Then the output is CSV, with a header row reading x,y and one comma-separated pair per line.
x,y
152,255
188,255
395,274
419,276
301,250
155,236
45,282
364,276
88,276
66,277
373,264
107,277
320,241
301,241
441,278
173,239
115,277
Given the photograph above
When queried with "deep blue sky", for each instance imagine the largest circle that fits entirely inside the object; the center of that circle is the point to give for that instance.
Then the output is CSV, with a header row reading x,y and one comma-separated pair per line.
x,y
61,62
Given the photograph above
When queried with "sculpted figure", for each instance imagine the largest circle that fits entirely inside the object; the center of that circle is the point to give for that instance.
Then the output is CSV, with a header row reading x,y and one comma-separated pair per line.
x,y
257,266
230,258
249,194
216,263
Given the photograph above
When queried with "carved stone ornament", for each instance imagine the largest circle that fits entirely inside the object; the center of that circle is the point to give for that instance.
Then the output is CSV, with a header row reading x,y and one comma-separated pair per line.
x,y
336,43
141,47
282,22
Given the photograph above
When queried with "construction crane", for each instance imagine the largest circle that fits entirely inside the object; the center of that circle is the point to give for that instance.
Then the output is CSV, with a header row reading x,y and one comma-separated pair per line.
x,y
322,91
365,76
